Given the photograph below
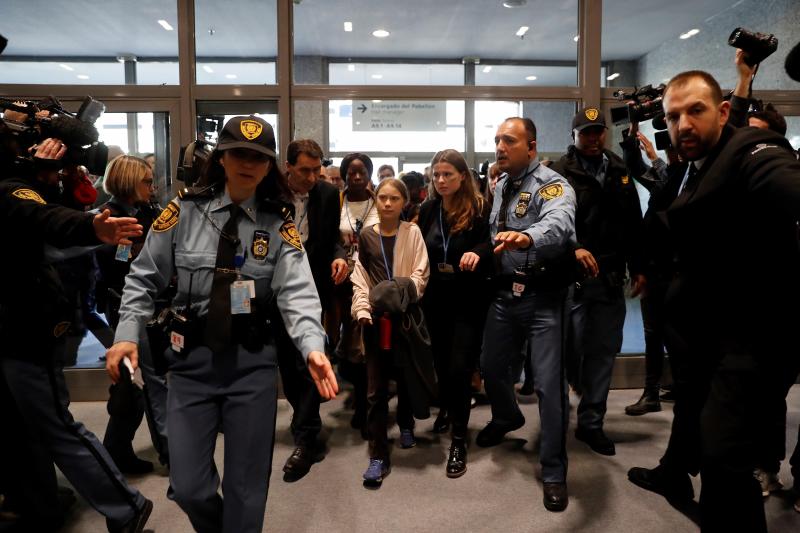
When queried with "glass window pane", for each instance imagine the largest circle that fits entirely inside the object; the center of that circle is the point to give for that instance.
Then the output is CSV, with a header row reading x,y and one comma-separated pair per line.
x,y
394,74
212,117
231,52
96,43
434,37
793,131
649,41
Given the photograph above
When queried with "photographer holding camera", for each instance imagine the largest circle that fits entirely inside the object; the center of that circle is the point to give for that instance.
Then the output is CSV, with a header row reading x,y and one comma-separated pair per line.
x,y
33,319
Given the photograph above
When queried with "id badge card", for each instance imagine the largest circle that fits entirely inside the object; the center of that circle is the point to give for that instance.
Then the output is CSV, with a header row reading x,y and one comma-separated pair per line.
x,y
241,292
445,268
518,283
123,252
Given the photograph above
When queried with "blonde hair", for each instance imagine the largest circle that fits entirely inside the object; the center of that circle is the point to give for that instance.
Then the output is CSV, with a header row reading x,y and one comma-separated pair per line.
x,y
397,184
467,203
123,174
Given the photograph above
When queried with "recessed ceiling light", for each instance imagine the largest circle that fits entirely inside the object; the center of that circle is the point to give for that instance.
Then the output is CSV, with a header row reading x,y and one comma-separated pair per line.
x,y
165,25
348,26
576,38
208,69
522,30
530,78
514,3
66,67
377,76
380,34
377,101
231,76
690,33
613,76
487,69
351,67
83,77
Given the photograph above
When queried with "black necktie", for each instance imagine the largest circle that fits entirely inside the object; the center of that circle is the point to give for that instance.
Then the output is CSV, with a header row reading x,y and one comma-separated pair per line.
x,y
510,188
218,323
691,180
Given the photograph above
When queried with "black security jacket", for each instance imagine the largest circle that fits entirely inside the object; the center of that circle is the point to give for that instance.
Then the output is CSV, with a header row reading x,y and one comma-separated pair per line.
x,y
738,279
608,218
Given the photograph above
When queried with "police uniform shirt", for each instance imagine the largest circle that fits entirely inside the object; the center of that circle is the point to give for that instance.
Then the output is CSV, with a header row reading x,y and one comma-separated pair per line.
x,y
184,240
543,208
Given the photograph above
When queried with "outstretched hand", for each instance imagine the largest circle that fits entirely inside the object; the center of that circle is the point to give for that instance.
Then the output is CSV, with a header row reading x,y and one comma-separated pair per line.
x,y
322,373
115,230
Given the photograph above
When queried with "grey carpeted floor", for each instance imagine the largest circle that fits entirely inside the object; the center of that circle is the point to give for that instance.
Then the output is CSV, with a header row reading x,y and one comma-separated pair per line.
x,y
501,490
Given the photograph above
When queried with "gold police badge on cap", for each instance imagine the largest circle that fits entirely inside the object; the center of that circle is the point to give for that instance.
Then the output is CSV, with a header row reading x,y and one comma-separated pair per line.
x,y
167,218
251,129
28,194
260,244
291,235
551,191
592,113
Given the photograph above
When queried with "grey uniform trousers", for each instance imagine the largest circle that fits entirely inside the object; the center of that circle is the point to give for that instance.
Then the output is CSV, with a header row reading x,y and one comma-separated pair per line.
x,y
236,393
539,318
41,395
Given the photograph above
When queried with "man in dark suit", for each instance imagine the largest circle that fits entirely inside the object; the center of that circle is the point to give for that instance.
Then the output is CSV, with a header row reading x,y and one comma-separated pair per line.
x,y
316,214
733,225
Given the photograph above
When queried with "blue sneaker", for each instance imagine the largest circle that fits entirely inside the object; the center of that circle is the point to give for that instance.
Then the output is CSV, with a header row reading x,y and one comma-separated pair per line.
x,y
407,439
376,471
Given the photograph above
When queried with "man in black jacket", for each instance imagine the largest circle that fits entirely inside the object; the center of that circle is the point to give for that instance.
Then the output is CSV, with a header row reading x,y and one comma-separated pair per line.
x,y
608,227
733,225
316,214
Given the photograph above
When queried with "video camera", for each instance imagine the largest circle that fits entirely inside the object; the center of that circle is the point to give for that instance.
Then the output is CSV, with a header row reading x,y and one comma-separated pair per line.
x,y
33,122
643,104
756,46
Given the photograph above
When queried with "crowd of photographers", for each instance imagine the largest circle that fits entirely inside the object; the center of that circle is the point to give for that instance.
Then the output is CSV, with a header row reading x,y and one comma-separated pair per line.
x,y
444,283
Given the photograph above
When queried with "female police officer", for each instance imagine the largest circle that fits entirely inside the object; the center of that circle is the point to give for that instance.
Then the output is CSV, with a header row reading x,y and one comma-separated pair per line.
x,y
233,248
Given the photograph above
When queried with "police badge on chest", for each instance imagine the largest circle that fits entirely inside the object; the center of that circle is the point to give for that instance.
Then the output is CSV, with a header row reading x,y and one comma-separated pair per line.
x,y
522,204
260,245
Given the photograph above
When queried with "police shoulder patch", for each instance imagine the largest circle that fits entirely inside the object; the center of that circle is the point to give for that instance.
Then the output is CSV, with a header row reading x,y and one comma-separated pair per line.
x,y
29,194
548,192
291,235
167,218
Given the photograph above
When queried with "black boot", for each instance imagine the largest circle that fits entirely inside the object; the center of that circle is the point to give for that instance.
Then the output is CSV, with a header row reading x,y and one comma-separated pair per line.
x,y
442,422
648,403
457,459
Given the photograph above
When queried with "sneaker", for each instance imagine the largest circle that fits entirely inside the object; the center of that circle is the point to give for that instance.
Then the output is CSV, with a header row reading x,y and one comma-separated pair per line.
x,y
376,471
407,439
769,481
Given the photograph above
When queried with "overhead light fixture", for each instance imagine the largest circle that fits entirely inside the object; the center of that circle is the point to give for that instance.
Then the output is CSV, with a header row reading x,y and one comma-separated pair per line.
x,y
530,78
576,38
487,69
377,101
613,76
377,76
690,33
208,69
83,77
348,26
522,30
351,68
380,34
66,67
231,76
164,24
514,3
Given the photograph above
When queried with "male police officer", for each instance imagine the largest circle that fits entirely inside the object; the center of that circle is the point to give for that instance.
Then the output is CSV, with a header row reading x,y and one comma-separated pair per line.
x,y
32,320
532,222
608,226
316,210
733,224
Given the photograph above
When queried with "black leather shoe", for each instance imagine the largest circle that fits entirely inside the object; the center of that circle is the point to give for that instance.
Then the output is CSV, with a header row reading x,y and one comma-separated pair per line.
x,y
136,524
442,422
299,463
555,497
457,459
493,433
596,440
648,403
673,486
130,464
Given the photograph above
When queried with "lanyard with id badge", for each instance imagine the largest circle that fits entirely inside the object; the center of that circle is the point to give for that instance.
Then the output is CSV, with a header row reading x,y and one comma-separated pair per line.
x,y
444,267
242,290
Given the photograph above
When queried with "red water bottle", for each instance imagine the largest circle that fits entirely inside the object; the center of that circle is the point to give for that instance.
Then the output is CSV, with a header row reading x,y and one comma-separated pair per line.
x,y
385,329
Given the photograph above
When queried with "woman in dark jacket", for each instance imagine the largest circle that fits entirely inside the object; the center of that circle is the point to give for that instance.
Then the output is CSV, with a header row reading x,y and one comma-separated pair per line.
x,y
455,225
